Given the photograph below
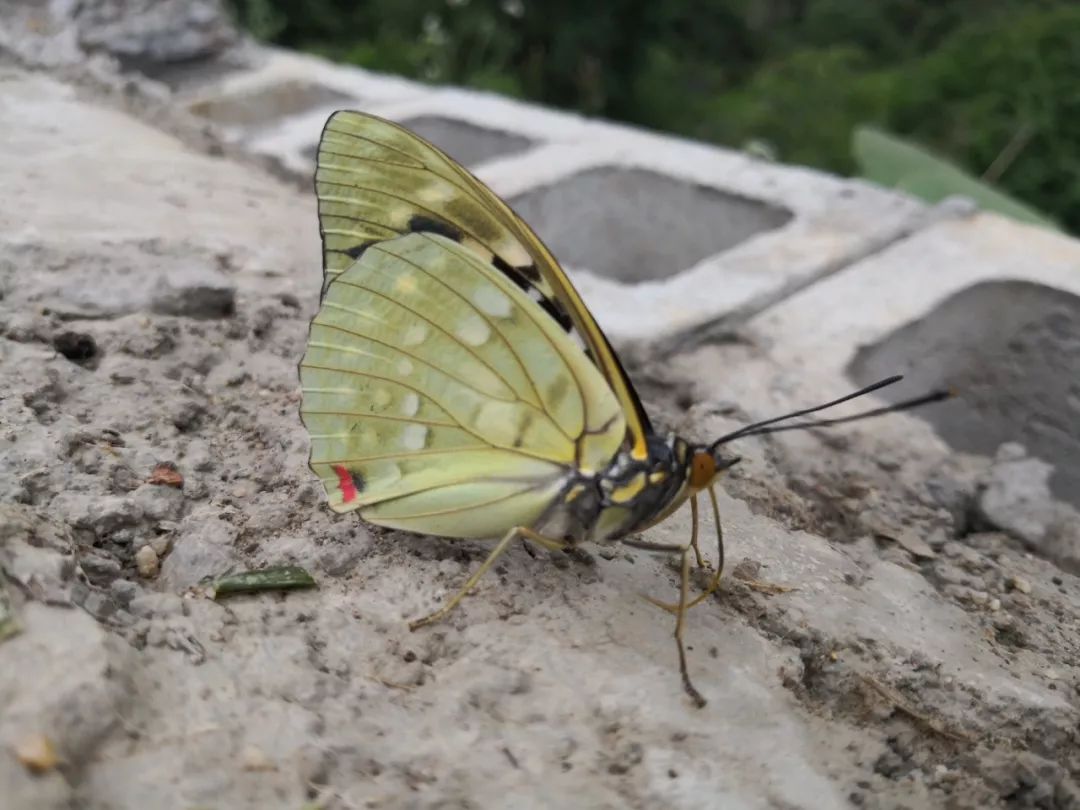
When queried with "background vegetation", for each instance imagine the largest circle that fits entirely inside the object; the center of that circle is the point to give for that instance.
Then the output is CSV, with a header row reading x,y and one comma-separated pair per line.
x,y
992,85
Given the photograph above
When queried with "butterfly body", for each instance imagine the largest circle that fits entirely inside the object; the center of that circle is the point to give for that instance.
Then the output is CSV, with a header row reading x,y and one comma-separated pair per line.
x,y
624,497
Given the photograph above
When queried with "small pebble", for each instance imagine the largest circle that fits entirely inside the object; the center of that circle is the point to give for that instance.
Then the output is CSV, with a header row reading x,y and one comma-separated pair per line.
x,y
165,474
995,604
123,590
147,605
255,759
1019,584
160,543
37,753
146,561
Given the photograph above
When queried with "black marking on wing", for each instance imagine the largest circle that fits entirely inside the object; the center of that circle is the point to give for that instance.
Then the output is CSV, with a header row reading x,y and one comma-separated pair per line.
x,y
420,223
527,278
555,310
358,480
356,251
529,271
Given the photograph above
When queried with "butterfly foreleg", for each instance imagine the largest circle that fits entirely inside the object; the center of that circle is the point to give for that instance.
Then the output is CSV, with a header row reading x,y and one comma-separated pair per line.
x,y
678,609
500,547
694,532
714,580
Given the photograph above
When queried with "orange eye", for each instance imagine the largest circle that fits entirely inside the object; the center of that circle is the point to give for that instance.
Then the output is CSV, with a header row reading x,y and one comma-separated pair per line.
x,y
702,470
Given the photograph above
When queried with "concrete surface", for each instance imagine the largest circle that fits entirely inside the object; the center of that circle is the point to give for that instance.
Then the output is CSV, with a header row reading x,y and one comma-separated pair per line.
x,y
154,301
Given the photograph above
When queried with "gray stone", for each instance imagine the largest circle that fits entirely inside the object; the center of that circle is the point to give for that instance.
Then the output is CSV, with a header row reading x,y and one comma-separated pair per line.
x,y
1061,543
91,34
159,503
98,605
187,414
123,591
140,280
40,33
104,515
148,32
202,547
148,605
99,568
194,291
198,457
1016,496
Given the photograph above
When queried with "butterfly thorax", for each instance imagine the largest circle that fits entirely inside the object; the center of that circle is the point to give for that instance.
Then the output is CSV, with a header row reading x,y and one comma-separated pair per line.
x,y
629,494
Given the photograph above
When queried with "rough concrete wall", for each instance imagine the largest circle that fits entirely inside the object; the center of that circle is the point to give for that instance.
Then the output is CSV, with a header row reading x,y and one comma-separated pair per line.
x,y
902,621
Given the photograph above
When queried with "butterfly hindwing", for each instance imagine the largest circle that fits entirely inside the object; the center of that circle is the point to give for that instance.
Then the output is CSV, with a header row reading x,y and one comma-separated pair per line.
x,y
376,180
440,398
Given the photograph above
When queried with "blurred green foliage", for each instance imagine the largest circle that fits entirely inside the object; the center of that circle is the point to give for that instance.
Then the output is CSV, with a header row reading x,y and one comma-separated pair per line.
x,y
992,85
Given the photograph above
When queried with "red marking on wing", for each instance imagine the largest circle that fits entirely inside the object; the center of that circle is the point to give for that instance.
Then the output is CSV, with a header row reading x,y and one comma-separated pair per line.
x,y
348,488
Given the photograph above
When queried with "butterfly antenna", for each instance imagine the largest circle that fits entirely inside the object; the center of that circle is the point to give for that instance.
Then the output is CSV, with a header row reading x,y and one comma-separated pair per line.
x,y
772,426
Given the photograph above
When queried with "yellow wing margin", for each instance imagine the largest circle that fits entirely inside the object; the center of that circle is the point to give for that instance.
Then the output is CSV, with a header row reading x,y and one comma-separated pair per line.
x,y
441,399
376,180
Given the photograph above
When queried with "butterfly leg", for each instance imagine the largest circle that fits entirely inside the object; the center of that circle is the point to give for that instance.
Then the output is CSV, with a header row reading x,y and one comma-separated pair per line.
x,y
714,580
679,609
501,546
684,587
694,533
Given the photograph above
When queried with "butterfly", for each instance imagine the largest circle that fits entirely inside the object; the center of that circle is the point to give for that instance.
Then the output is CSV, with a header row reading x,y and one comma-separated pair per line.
x,y
455,384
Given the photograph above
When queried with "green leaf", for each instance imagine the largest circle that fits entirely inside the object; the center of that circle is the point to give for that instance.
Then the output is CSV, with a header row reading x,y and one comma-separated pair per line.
x,y
894,162
9,625
275,578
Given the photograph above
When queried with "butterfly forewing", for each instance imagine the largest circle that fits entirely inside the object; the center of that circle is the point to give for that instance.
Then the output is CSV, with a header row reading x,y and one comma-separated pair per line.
x,y
441,399
376,180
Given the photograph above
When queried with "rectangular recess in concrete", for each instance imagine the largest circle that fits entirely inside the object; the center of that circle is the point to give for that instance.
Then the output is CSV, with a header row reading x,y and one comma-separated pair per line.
x,y
259,106
1011,349
986,305
667,238
635,225
468,144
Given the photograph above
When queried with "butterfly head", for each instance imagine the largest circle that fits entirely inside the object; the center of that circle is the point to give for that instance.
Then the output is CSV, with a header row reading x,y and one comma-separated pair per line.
x,y
706,463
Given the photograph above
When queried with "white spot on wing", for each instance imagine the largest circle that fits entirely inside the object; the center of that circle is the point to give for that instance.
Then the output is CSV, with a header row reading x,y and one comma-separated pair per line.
x,y
492,301
414,335
411,404
382,398
404,367
414,437
437,192
473,331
